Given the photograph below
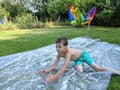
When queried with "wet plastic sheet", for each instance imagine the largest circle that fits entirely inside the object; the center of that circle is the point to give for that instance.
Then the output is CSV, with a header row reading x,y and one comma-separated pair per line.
x,y
20,71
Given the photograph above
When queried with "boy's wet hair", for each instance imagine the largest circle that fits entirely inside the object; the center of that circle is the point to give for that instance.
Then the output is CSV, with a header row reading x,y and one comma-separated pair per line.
x,y
62,40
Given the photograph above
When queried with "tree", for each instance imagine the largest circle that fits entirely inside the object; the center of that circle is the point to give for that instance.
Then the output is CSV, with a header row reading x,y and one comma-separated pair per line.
x,y
4,12
41,8
58,8
14,7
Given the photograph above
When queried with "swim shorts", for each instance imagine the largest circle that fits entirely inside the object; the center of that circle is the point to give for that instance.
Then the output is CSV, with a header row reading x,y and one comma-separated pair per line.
x,y
84,58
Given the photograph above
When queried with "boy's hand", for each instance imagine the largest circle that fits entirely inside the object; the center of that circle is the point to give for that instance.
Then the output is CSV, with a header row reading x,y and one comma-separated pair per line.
x,y
50,78
43,72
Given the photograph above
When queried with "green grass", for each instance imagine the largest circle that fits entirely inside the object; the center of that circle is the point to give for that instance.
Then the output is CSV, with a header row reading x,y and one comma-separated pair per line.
x,y
114,83
15,41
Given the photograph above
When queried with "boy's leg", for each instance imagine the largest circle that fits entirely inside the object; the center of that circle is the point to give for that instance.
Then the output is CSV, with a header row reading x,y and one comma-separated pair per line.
x,y
79,68
98,68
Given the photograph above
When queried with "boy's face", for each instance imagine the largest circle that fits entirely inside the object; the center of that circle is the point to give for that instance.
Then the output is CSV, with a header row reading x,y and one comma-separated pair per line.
x,y
60,47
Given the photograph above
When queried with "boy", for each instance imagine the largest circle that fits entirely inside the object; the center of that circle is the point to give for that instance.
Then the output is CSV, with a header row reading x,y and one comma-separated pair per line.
x,y
78,56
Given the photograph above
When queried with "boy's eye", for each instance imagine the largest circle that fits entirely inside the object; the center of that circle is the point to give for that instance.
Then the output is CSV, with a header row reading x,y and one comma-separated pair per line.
x,y
59,47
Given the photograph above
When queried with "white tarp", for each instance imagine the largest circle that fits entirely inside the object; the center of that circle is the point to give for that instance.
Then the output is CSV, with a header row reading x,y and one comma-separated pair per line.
x,y
20,71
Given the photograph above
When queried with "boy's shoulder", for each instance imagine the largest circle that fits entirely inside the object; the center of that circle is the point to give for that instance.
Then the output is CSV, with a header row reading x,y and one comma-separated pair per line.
x,y
73,49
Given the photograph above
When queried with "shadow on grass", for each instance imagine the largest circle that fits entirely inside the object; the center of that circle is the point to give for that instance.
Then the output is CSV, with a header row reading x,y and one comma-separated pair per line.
x,y
23,40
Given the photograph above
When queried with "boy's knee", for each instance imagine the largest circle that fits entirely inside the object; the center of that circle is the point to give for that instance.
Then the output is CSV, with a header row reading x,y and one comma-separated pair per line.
x,y
80,71
79,68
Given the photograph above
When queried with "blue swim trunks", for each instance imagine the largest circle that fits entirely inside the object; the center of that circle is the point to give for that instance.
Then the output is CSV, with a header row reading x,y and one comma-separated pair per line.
x,y
84,58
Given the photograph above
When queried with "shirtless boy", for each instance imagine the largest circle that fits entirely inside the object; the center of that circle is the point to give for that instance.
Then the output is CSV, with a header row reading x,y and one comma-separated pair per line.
x,y
78,56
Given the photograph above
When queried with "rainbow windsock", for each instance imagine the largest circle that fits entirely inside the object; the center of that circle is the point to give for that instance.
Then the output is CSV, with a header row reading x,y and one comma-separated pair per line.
x,y
76,18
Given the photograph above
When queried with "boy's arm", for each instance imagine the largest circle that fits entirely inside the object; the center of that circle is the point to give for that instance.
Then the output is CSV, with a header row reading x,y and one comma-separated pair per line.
x,y
55,64
63,68
53,77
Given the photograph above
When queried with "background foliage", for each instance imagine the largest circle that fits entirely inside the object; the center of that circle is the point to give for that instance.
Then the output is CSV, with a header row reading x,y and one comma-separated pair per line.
x,y
27,11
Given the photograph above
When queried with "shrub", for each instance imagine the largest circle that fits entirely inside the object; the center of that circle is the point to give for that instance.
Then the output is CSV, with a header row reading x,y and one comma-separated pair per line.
x,y
8,26
104,18
25,18
115,17
32,25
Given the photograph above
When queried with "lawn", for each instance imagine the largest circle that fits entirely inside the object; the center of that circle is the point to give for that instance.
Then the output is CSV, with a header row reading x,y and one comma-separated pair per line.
x,y
14,41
